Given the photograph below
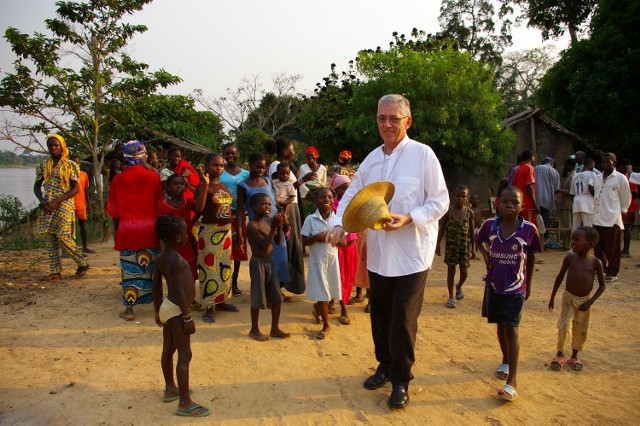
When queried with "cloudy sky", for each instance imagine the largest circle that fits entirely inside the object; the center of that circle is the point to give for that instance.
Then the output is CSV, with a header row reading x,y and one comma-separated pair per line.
x,y
211,44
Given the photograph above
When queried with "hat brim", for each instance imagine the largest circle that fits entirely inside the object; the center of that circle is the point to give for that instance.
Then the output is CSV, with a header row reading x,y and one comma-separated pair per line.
x,y
351,219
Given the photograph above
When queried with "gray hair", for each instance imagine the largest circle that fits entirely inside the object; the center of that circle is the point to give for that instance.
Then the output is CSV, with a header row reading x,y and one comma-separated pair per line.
x,y
405,106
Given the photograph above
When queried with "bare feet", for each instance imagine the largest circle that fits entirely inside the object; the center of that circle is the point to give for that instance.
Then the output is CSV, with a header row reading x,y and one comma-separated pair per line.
x,y
51,277
87,250
127,314
256,335
276,332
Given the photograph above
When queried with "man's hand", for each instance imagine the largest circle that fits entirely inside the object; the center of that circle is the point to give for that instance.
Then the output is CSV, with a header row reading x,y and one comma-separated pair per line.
x,y
551,305
335,236
397,221
585,306
189,327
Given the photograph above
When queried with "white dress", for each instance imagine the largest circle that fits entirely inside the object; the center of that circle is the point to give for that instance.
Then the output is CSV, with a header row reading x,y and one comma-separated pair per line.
x,y
320,180
323,277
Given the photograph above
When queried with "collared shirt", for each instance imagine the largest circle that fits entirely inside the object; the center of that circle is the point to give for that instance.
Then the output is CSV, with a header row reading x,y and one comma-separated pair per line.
x,y
507,273
420,190
547,183
612,198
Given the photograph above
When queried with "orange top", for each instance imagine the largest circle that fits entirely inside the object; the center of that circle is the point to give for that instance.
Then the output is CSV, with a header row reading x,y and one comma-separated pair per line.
x,y
80,198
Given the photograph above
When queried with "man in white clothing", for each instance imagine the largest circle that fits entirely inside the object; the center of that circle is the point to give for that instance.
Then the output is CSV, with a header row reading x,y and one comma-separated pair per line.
x,y
611,198
582,190
400,255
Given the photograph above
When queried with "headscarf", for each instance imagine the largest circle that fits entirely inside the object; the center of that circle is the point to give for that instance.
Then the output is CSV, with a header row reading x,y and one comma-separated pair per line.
x,y
135,152
338,180
65,168
344,157
313,150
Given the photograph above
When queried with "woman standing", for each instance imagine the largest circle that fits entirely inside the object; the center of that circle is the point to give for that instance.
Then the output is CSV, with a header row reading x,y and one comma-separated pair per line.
x,y
308,189
230,178
134,202
285,153
57,209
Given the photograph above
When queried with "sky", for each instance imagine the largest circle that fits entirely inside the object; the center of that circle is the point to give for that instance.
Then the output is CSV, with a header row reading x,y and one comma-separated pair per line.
x,y
212,44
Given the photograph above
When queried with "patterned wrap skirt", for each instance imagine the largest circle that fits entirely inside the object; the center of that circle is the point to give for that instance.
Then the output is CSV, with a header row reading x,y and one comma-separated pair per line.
x,y
137,275
215,263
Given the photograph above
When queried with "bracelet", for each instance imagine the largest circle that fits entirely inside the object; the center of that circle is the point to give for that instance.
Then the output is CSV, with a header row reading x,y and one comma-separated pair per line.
x,y
189,320
186,317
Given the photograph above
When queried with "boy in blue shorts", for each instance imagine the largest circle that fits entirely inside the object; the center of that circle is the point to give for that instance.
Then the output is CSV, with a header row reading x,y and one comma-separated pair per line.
x,y
508,243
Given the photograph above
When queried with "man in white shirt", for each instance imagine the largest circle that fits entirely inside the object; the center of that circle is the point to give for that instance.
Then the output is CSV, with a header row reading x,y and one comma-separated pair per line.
x,y
611,198
400,255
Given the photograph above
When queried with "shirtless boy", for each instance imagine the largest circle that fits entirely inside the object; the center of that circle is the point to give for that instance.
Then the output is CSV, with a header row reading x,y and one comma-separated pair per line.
x,y
172,313
581,267
265,287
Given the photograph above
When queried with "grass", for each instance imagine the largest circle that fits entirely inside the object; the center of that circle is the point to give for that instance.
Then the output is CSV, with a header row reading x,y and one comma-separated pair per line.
x,y
15,241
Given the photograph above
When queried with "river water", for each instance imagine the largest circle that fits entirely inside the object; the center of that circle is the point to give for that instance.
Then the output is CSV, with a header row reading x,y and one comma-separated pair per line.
x,y
18,182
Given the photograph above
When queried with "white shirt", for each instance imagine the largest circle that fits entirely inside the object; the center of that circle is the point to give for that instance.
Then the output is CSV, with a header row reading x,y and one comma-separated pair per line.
x,y
420,190
321,178
612,198
580,183
634,178
292,178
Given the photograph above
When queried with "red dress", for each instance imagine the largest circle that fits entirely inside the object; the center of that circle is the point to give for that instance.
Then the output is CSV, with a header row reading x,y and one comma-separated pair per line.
x,y
348,260
193,178
187,251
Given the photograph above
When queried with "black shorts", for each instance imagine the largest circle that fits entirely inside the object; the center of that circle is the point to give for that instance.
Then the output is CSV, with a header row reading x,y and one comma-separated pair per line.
x,y
265,286
506,308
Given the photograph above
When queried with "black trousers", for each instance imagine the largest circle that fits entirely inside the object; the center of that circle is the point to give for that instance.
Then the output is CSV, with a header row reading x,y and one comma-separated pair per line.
x,y
396,303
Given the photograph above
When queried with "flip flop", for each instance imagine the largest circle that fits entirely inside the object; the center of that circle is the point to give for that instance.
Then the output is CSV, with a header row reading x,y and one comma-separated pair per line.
x,y
317,317
508,393
320,335
51,277
81,271
174,397
557,362
345,320
208,318
227,307
189,412
236,292
451,303
502,372
355,299
459,294
575,364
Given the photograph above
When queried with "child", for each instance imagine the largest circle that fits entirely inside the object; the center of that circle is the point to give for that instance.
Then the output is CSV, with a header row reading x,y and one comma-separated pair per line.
x,y
581,267
172,313
458,225
509,257
231,176
284,190
82,201
323,280
474,201
215,265
582,190
347,255
265,289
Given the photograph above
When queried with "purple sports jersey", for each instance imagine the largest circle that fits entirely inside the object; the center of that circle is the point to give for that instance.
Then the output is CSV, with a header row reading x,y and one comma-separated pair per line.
x,y
508,271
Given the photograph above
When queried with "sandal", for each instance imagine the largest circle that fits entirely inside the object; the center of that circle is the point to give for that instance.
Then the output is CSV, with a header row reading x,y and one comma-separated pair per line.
x,y
197,306
344,320
508,393
317,317
502,372
575,364
459,294
356,299
208,318
236,292
367,309
51,277
81,271
557,362
227,307
320,335
451,303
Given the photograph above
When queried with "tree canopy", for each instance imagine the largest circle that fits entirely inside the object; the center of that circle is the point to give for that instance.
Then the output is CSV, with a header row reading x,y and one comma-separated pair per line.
x,y
593,89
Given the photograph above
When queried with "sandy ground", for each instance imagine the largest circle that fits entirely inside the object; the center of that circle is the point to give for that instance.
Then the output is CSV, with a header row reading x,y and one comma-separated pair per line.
x,y
67,358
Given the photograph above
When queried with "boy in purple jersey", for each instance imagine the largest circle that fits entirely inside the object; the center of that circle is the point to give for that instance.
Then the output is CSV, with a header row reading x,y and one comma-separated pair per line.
x,y
508,244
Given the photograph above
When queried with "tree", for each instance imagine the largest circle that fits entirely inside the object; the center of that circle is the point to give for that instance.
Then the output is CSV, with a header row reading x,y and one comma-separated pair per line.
x,y
518,78
553,17
251,107
454,105
473,24
174,115
593,89
79,81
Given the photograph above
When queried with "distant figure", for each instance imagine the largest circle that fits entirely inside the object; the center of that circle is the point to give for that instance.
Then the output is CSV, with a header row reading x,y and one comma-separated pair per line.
x,y
629,218
564,205
460,245
474,201
308,189
581,268
172,314
117,161
323,277
524,179
508,245
82,202
153,161
262,231
547,184
182,167
60,177
582,190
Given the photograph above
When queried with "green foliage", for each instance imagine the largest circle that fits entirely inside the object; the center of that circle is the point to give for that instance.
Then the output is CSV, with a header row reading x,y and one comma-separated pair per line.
x,y
593,90
473,24
249,142
9,158
455,107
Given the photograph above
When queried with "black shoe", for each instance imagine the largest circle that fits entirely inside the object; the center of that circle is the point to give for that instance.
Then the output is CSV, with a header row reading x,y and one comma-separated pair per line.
x,y
376,381
399,396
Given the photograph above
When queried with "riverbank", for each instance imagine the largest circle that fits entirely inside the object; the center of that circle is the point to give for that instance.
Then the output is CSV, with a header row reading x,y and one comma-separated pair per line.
x,y
67,358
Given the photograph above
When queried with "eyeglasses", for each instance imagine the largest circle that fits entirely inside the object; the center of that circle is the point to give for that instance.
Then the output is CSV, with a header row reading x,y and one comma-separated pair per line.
x,y
381,119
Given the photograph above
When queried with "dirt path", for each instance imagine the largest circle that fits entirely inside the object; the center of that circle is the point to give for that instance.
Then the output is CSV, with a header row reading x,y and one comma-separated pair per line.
x,y
68,359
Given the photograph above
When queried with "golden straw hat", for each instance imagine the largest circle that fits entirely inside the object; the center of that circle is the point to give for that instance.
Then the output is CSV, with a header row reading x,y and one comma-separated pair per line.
x,y
368,208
